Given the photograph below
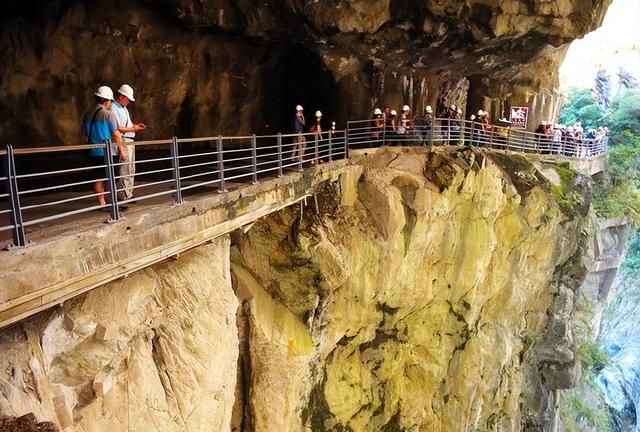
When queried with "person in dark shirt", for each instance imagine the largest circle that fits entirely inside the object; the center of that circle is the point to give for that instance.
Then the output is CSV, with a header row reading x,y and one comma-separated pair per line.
x,y
300,143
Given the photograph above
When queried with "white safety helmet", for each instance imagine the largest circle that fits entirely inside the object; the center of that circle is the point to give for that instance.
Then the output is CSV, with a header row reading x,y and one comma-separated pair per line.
x,y
299,108
406,108
393,113
480,113
377,111
428,109
318,113
127,91
104,92
459,110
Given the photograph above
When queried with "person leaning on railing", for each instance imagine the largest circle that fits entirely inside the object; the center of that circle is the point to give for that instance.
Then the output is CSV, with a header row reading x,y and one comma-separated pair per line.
x,y
100,126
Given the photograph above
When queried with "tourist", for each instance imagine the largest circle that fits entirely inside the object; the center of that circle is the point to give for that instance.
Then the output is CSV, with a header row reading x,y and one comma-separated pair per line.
x,y
502,132
391,125
128,130
451,123
404,125
100,126
423,125
377,126
557,139
299,141
316,128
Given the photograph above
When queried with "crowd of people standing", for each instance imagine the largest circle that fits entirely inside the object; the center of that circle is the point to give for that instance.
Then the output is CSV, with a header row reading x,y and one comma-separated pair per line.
x,y
109,121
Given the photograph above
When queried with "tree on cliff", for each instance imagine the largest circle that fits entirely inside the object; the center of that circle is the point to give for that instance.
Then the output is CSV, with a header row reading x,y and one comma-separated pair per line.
x,y
602,89
623,114
580,106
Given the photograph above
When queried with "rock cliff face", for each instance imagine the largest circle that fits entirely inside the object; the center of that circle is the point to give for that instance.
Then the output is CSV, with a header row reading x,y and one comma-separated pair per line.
x,y
220,66
421,291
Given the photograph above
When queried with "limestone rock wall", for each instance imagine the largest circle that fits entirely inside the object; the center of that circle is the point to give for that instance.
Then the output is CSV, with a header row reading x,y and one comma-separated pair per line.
x,y
432,292
235,67
424,290
155,350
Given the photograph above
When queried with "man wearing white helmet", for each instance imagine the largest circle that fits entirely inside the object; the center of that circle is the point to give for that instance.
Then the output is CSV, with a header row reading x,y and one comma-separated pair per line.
x,y
317,127
423,125
405,120
100,125
377,125
300,143
128,130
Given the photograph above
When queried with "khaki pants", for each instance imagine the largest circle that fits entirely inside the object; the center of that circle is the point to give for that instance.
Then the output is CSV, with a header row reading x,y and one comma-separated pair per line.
x,y
127,171
299,146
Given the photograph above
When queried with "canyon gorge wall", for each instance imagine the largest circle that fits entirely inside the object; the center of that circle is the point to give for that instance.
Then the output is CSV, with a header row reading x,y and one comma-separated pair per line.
x,y
217,66
422,290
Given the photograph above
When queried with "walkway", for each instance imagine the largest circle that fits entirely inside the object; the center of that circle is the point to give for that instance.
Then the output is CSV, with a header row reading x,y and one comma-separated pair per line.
x,y
186,196
38,197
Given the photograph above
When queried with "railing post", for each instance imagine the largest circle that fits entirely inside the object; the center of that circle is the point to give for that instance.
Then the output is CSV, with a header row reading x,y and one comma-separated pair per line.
x,y
221,187
346,142
175,163
112,183
315,150
492,129
433,125
330,147
254,159
302,148
384,133
280,155
19,237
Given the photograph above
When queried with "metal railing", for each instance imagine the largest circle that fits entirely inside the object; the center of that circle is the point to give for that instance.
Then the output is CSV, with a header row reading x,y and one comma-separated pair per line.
x,y
364,133
173,168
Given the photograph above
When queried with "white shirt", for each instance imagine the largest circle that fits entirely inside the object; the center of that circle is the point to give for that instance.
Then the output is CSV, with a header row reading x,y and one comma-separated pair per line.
x,y
124,119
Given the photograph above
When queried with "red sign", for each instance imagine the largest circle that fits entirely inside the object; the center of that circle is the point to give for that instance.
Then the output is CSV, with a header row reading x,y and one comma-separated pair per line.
x,y
519,117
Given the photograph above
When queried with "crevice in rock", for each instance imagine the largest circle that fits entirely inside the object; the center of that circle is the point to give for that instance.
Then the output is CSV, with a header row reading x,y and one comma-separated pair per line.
x,y
317,412
242,416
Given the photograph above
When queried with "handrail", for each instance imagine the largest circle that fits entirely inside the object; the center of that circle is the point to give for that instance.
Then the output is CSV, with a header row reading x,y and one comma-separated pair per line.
x,y
230,159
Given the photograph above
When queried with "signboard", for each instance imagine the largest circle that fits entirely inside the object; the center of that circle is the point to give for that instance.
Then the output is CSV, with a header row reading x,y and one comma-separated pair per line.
x,y
519,117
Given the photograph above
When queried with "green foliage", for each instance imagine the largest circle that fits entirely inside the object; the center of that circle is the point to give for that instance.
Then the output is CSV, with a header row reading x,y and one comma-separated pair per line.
x,y
624,160
583,409
624,115
578,416
591,357
618,196
565,195
581,107
631,263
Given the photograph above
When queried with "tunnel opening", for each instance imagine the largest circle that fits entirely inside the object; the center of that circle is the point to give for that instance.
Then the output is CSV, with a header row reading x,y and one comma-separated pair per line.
x,y
297,77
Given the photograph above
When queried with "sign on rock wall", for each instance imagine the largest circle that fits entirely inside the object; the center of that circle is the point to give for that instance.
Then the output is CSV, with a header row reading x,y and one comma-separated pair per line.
x,y
519,117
